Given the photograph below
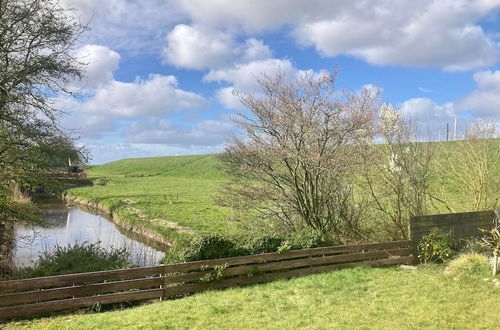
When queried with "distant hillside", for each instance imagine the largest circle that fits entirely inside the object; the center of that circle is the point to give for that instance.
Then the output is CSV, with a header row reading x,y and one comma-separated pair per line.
x,y
196,166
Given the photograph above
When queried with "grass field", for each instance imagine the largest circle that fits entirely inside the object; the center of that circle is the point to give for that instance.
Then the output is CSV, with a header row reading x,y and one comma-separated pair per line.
x,y
359,298
177,189
181,189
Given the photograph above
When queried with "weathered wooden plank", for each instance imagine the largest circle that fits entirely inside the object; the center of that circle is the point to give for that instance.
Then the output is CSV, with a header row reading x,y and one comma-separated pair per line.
x,y
266,257
261,278
287,264
78,291
53,306
453,216
464,221
64,280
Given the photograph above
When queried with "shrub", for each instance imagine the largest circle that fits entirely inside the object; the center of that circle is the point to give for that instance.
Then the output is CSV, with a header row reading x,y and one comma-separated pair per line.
x,y
264,244
307,239
77,258
468,264
473,245
202,247
100,182
436,246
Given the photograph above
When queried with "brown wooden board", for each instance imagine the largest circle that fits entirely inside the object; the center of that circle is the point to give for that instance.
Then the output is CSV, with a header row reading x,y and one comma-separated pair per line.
x,y
265,257
64,280
261,278
53,306
78,291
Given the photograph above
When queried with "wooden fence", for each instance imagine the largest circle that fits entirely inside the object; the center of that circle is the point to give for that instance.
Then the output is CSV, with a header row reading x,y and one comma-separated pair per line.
x,y
64,292
461,225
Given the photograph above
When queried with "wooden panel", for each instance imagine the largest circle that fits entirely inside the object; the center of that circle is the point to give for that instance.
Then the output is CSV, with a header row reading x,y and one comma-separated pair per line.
x,y
286,264
53,306
267,267
261,278
78,291
64,280
265,257
461,225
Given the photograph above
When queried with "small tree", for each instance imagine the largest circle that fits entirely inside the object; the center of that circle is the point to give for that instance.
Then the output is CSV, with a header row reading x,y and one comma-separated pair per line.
x,y
295,161
470,166
397,174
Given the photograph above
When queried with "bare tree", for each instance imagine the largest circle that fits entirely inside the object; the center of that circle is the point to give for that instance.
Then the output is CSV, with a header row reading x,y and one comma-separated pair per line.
x,y
397,174
471,167
295,160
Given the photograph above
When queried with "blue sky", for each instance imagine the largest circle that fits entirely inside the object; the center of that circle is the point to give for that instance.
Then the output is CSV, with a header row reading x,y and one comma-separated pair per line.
x,y
160,73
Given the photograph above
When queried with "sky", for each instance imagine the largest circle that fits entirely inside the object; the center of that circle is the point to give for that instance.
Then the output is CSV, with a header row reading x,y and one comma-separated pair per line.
x,y
160,74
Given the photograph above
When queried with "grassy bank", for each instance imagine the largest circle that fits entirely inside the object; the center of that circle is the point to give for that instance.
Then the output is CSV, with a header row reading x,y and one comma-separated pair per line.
x,y
370,298
171,195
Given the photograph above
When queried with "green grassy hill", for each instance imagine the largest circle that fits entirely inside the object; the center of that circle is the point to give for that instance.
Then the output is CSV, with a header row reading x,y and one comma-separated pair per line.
x,y
181,189
196,166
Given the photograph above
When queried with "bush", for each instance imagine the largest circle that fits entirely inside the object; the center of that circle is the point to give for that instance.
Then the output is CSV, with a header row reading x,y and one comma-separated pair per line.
x,y
473,245
100,182
436,246
202,247
264,244
307,239
469,264
77,258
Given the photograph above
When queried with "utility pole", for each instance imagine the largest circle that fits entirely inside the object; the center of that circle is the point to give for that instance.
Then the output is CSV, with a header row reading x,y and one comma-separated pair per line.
x,y
447,131
455,130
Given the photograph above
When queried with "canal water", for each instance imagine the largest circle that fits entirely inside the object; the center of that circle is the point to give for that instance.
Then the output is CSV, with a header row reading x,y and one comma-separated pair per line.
x,y
70,224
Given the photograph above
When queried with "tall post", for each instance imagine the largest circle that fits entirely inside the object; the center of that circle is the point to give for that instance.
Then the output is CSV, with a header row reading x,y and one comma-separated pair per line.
x,y
447,131
455,130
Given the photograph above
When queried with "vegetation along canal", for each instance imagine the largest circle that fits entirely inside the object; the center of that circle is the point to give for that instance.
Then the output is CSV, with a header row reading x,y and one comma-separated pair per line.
x,y
70,224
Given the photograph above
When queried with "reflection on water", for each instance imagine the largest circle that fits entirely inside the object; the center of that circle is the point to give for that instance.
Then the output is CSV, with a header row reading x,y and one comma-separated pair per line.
x,y
70,225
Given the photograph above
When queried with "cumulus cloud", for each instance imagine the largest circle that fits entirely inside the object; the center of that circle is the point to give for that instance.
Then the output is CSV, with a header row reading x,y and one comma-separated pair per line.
x,y
157,95
99,63
196,48
485,100
127,25
107,101
430,118
166,132
423,33
243,78
202,47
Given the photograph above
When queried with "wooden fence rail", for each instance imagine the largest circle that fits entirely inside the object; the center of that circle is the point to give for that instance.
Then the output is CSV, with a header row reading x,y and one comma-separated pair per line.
x,y
64,292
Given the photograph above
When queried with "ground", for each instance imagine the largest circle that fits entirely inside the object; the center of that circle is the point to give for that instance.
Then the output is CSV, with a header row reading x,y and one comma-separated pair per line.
x,y
360,298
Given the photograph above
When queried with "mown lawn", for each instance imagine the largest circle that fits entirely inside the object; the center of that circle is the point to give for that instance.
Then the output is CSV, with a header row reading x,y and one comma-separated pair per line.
x,y
360,298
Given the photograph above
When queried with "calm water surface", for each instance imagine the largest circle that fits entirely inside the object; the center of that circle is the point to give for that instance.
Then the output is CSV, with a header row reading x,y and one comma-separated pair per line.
x,y
70,225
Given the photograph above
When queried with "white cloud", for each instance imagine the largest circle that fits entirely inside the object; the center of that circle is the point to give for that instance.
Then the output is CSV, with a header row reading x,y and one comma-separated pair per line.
x,y
484,102
99,64
127,25
195,47
422,33
166,132
243,78
201,47
156,96
431,118
258,15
